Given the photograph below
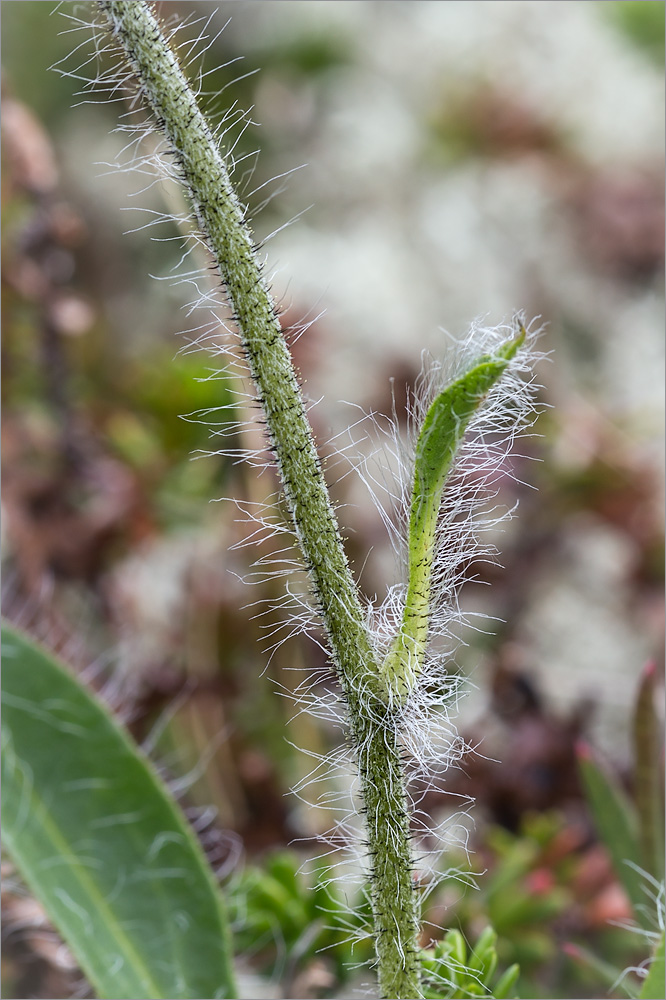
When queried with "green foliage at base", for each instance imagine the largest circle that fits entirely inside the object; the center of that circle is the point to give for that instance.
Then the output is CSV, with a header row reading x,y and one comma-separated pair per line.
x,y
452,969
283,916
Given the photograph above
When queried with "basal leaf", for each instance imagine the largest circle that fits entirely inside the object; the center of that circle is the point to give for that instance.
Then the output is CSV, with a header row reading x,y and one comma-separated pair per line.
x,y
101,843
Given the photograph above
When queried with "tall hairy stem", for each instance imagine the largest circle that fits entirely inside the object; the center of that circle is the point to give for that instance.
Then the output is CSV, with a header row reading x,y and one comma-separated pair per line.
x,y
221,218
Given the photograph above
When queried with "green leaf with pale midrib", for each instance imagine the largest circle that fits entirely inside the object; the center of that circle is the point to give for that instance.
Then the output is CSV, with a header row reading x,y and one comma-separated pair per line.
x,y
100,842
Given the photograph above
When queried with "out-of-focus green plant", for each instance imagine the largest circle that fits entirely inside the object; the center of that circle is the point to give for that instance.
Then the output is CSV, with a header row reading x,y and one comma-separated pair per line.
x,y
521,899
632,829
544,893
283,917
452,969
520,895
155,425
642,21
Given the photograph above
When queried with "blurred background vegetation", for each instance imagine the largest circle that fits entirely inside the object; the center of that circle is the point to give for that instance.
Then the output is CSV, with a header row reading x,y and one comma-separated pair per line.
x,y
460,160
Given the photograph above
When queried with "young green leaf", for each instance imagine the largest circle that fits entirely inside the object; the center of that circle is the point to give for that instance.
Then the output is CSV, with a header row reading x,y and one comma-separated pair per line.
x,y
506,984
450,971
101,843
439,439
484,957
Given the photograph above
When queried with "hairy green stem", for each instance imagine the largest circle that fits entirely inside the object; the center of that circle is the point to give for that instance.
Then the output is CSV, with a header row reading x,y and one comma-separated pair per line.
x,y
221,218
